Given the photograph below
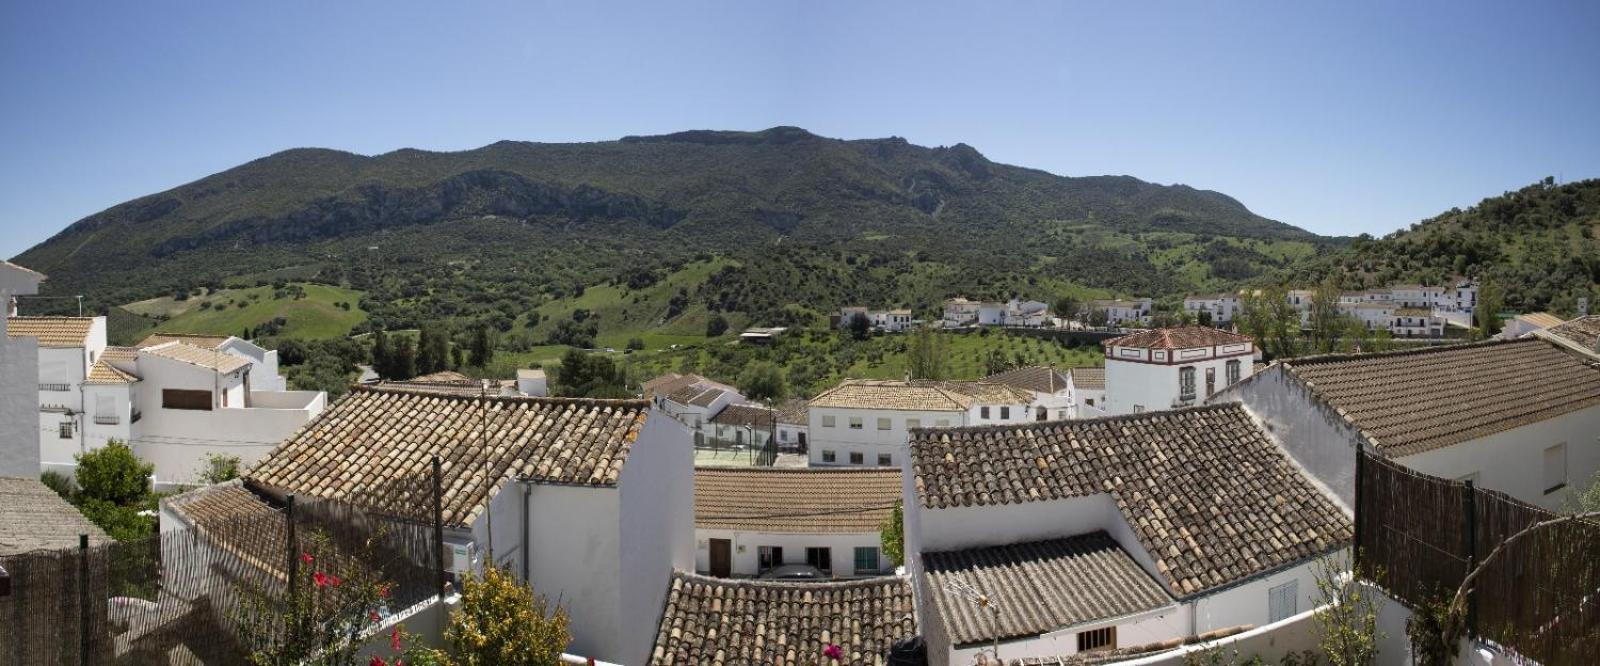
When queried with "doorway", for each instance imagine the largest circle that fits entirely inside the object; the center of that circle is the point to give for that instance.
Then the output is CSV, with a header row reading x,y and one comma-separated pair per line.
x,y
721,557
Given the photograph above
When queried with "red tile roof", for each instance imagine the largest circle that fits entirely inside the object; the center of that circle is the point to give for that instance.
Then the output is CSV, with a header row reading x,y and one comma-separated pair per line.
x,y
1186,337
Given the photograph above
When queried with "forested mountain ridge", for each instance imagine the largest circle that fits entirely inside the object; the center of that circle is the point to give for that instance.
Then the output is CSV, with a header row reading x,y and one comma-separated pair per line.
x,y
494,232
1538,244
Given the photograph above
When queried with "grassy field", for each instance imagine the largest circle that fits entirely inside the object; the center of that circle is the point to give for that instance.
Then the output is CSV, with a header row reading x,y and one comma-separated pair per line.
x,y
231,311
625,313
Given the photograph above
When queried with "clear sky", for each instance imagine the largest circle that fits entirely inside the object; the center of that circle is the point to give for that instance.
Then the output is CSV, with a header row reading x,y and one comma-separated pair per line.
x,y
1340,117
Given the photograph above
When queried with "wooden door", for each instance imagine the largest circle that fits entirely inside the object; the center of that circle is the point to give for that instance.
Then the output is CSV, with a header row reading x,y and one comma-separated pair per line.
x,y
721,557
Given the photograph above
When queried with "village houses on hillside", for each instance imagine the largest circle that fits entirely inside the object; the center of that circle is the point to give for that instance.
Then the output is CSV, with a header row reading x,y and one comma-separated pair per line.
x,y
866,422
1168,368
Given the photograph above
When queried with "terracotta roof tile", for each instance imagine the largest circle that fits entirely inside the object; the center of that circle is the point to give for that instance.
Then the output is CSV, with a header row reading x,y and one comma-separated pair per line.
x,y
919,395
374,436
761,418
211,359
105,373
1091,379
1540,319
52,332
722,621
1412,401
120,355
36,518
1583,331
198,340
1208,494
1036,378
794,412
794,500
1039,587
1185,337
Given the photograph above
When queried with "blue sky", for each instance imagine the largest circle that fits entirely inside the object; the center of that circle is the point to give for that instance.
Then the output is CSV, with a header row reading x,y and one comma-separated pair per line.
x,y
1340,117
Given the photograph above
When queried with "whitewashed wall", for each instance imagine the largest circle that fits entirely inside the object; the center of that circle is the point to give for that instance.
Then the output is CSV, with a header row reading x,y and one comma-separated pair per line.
x,y
19,395
1142,628
869,440
747,548
575,560
656,526
1512,461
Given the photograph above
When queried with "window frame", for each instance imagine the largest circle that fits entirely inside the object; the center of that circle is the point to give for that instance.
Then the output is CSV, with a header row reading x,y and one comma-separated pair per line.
x,y
913,423
1232,372
1104,638
829,456
855,423
858,458
1186,383
1551,486
885,423
768,558
1283,601
1005,412
983,412
176,399
885,460
820,557
877,559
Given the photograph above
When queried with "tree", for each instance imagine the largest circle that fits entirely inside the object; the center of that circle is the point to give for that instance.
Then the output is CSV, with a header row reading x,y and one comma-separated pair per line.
x,y
433,350
926,355
401,361
1065,307
218,468
635,344
583,375
762,381
481,351
113,474
892,535
995,362
716,326
1324,319
502,621
1349,617
380,353
1491,299
1203,317
859,326
1098,317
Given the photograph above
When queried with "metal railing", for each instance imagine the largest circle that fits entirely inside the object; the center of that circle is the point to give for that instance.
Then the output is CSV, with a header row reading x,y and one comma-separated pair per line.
x,y
107,420
59,388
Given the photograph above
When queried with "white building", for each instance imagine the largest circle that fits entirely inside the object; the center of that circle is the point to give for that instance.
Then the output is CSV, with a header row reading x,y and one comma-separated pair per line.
x,y
68,346
793,425
962,312
1124,312
1168,368
264,362
19,383
1106,533
591,501
1520,416
866,422
692,400
741,426
1417,323
1032,314
749,520
1088,392
1524,324
1375,315
1223,307
532,382
889,321
1052,390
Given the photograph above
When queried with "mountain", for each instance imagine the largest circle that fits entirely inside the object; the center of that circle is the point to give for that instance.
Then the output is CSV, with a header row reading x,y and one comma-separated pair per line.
x,y
1537,243
789,221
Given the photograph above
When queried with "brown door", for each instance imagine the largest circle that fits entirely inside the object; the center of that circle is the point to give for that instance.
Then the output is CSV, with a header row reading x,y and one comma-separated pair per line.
x,y
721,557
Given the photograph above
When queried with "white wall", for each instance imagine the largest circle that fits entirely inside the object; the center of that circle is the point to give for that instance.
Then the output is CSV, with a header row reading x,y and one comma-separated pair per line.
x,y
1148,379
1246,603
746,562
1512,461
1313,435
869,440
574,549
19,399
1139,629
959,528
656,529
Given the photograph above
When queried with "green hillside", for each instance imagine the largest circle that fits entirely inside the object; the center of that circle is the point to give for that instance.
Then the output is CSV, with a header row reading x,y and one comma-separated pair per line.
x,y
296,310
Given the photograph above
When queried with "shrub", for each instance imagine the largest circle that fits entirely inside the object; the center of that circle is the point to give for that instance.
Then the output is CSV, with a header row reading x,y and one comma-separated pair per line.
x,y
113,474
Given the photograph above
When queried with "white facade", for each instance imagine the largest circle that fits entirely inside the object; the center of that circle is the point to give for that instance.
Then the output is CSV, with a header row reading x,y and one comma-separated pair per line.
x,y
1030,314
891,321
1141,380
532,383
1224,308
19,384
791,548
871,437
1134,312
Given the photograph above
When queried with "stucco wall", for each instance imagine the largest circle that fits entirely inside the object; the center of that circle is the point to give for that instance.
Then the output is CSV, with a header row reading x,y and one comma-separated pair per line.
x,y
1512,461
656,534
19,403
575,561
959,528
1313,435
1246,604
1159,625
869,440
746,562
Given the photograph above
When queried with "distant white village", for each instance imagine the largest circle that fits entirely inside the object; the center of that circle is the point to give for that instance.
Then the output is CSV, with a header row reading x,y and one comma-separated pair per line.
x,y
1179,499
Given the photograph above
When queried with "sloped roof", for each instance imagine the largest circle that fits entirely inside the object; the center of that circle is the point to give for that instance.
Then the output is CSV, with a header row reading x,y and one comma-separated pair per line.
x,y
24,269
727,621
1037,378
210,359
105,373
36,518
377,436
761,418
125,355
1411,401
918,395
1093,379
52,332
1183,337
444,376
1583,332
196,339
1540,319
1208,494
1414,312
1039,587
794,412
690,389
794,500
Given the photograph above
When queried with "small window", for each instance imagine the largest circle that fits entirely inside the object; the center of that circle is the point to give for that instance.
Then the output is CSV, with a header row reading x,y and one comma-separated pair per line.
x,y
829,456
768,557
866,560
1186,383
828,421
821,558
1283,601
1005,413
1138,409
185,399
883,424
1090,401
1233,372
855,423
1097,639
884,460
913,423
65,430
1555,468
857,458
983,412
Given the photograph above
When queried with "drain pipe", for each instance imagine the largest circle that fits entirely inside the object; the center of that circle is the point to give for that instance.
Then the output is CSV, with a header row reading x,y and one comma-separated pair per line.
x,y
527,501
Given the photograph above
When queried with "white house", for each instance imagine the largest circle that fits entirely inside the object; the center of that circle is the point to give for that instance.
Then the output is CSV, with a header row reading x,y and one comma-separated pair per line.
x,y
19,378
891,321
68,346
1168,368
1518,416
692,400
748,520
1224,307
1523,324
743,425
591,501
1088,392
959,311
866,422
264,362
793,424
1051,389
1123,312
1417,323
532,382
1031,314
1096,534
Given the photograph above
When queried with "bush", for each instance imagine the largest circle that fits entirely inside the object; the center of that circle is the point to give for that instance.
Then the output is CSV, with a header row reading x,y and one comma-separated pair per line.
x,y
502,621
58,482
113,474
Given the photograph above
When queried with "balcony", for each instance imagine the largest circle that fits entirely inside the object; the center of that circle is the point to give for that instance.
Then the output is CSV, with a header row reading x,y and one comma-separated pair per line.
x,y
107,420
57,388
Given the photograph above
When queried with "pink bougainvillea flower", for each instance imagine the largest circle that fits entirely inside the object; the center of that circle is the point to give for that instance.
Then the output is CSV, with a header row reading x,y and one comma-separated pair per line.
x,y
374,616
306,557
334,581
383,591
320,578
833,652
394,639
378,661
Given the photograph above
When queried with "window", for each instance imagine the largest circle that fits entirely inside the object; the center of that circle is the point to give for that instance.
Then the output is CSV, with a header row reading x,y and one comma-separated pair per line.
x,y
866,559
828,456
883,423
943,423
185,399
1211,381
1097,639
983,412
827,421
821,558
855,423
65,430
1138,409
857,458
1090,402
1283,601
1555,468
1005,413
1186,383
884,460
913,423
768,557
1233,371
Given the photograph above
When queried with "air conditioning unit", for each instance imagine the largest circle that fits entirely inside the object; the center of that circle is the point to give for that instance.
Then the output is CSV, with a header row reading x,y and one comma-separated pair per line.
x,y
459,556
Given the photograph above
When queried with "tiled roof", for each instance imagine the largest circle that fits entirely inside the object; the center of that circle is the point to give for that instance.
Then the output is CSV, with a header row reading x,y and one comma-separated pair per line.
x,y
36,518
793,412
105,373
1183,337
121,355
1413,312
376,436
919,395
1207,493
1411,401
688,389
1092,379
21,268
444,376
1583,332
206,341
745,415
211,359
1037,378
794,500
1039,587
53,332
1540,319
1096,657
470,388
718,621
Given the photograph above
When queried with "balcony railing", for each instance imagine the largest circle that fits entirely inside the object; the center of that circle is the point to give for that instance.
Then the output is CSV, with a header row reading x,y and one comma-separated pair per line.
x,y
107,420
59,388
